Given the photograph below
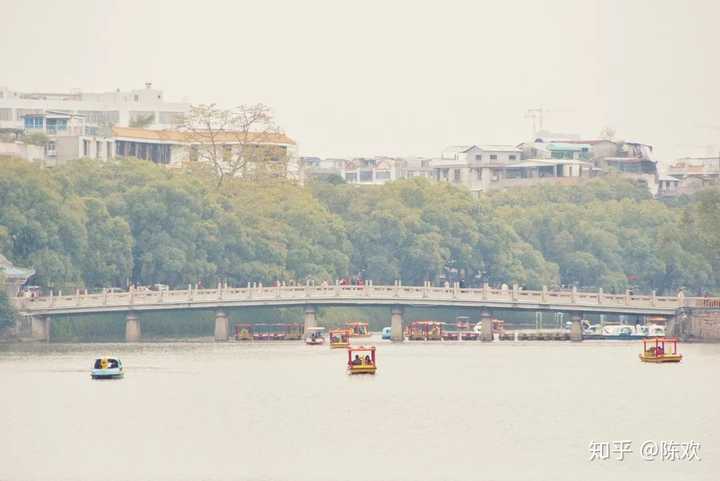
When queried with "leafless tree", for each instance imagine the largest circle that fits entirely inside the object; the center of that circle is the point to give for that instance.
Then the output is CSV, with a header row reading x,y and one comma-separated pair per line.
x,y
244,141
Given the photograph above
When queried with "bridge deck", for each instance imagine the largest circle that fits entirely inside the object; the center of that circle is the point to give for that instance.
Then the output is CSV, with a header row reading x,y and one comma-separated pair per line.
x,y
225,297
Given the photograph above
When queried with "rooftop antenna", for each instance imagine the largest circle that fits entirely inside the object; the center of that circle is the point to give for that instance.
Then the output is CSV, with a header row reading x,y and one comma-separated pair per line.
x,y
537,118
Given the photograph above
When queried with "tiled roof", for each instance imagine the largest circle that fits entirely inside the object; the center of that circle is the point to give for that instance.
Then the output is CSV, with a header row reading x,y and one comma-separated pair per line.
x,y
170,136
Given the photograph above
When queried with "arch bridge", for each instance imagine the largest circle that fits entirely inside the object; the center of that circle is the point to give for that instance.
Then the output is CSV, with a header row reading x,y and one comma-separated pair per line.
x,y
38,311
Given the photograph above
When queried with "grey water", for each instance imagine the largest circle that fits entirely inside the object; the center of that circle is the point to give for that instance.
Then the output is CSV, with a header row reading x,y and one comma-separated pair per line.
x,y
289,412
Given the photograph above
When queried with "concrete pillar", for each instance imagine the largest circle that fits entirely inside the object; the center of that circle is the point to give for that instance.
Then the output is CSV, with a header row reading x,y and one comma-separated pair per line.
x,y
133,332
487,326
576,328
40,327
397,334
310,316
222,326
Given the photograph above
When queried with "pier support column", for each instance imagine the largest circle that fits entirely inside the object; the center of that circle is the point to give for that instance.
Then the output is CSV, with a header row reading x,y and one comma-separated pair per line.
x,y
222,326
133,332
487,326
310,316
40,328
576,331
397,333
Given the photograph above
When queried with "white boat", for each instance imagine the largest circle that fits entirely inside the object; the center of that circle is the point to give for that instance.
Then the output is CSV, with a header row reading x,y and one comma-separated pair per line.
x,y
314,336
622,331
107,368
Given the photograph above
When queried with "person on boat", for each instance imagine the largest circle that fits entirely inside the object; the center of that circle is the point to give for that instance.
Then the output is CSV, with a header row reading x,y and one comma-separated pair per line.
x,y
367,359
659,351
356,361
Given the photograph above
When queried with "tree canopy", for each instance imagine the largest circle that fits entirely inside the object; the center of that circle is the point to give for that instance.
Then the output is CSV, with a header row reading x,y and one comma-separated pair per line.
x,y
90,224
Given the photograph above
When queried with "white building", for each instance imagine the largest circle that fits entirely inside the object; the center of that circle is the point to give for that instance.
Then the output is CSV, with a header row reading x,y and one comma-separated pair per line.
x,y
176,149
146,106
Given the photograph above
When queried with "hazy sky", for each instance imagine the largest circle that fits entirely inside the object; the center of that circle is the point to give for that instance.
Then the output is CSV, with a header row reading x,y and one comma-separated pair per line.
x,y
394,77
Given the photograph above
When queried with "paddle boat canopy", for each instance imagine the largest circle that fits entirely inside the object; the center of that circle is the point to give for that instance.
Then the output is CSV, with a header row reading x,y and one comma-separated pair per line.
x,y
361,360
359,329
107,368
660,349
339,338
315,336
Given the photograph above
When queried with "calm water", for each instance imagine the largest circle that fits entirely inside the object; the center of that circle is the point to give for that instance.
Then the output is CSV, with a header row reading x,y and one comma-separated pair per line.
x,y
288,412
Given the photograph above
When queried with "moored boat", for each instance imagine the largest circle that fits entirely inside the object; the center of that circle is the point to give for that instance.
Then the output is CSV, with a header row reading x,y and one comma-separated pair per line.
x,y
107,368
359,329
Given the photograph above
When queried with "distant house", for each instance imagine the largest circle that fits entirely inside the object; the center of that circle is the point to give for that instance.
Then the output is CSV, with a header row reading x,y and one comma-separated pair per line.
x,y
372,171
486,167
175,149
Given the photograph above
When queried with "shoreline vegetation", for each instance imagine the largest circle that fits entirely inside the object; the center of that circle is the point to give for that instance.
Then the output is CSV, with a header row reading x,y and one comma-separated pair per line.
x,y
89,225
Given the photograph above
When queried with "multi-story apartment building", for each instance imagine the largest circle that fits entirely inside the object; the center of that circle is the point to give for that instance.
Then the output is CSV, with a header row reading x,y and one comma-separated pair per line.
x,y
146,107
176,148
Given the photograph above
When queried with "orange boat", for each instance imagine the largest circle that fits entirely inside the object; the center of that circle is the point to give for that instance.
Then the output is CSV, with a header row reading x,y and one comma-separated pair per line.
x,y
339,338
359,329
361,364
425,331
658,349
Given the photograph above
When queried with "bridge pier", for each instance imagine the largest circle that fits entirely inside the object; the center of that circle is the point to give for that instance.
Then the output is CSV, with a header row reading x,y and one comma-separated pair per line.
x,y
133,332
310,316
487,326
576,331
222,326
40,327
397,333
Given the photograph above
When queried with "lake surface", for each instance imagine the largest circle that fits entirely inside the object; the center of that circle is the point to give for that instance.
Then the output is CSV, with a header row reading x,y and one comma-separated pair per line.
x,y
288,412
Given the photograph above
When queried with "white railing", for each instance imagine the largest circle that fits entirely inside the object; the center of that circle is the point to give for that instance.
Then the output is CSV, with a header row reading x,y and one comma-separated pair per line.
x,y
326,293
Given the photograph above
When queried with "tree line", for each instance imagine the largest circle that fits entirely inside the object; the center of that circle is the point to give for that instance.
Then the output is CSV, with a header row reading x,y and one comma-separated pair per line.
x,y
90,225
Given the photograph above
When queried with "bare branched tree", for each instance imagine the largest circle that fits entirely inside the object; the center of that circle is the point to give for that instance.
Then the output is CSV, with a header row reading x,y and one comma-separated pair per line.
x,y
244,141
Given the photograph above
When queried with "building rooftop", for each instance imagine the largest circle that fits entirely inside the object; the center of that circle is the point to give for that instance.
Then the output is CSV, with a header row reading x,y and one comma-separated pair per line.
x,y
175,136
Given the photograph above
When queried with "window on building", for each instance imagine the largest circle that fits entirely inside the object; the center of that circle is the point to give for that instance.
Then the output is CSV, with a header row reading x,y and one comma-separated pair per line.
x,y
34,122
382,175
366,176
478,157
493,156
169,118
457,175
5,114
512,157
50,147
194,153
86,148
479,174
350,176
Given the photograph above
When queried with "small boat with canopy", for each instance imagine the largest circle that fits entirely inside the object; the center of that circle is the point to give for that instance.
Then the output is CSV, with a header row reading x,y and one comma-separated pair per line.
x,y
107,368
359,329
339,338
314,336
361,360
660,349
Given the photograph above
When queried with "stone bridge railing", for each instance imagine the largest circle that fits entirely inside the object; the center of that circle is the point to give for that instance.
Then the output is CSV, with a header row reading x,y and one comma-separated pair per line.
x,y
367,294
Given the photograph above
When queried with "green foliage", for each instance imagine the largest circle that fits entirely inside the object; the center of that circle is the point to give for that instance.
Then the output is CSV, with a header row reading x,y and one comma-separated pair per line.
x,y
142,121
36,138
7,311
90,224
